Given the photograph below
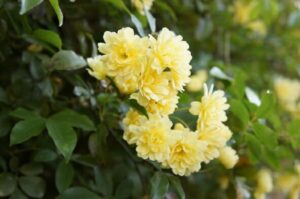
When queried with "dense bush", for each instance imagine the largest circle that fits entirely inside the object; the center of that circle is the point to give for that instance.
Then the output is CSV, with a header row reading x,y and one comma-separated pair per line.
x,y
62,130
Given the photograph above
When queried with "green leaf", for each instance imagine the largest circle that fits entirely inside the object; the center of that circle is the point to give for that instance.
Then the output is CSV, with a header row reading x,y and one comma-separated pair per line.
x,y
265,135
64,176
78,193
67,60
63,135
135,105
57,10
254,144
7,184
294,132
31,169
24,130
18,194
240,111
159,185
120,5
267,103
48,37
24,114
33,186
176,185
44,155
103,181
27,5
124,189
5,124
75,119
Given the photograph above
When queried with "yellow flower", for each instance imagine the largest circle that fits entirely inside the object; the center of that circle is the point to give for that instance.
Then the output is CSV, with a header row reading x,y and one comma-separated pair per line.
x,y
154,85
264,181
97,68
131,123
288,92
170,53
216,137
197,81
242,12
186,153
258,27
285,182
154,140
228,157
294,193
123,55
211,109
141,4
164,107
259,195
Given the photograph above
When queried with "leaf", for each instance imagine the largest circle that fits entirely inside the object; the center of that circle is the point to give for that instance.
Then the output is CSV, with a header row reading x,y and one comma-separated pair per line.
x,y
18,194
33,186
218,73
78,193
67,60
48,37
5,124
265,135
63,135
24,114
268,102
135,105
24,130
240,111
294,132
103,181
57,10
64,176
124,189
138,25
252,96
31,169
44,155
27,5
120,5
159,185
254,144
175,183
7,184
74,119
151,20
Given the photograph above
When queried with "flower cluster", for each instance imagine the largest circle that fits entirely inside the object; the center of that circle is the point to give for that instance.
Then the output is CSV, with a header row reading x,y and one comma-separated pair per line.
x,y
288,93
153,70
176,146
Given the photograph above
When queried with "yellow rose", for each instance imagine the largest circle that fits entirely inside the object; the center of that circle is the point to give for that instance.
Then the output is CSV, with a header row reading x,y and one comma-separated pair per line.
x,y
228,157
97,68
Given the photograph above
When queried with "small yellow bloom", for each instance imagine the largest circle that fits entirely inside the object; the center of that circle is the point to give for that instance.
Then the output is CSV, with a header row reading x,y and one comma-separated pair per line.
x,y
285,182
264,181
211,109
259,195
154,140
216,137
97,68
131,123
186,153
123,57
228,157
141,4
171,54
197,81
242,12
258,27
